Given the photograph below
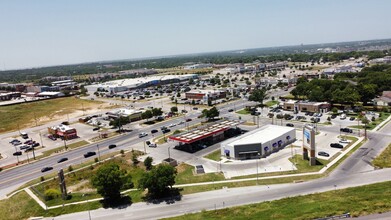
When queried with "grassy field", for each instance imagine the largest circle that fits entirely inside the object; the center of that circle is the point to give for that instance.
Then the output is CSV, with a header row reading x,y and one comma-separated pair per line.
x,y
215,155
303,165
186,175
372,124
357,201
243,112
384,159
24,115
204,188
271,103
59,149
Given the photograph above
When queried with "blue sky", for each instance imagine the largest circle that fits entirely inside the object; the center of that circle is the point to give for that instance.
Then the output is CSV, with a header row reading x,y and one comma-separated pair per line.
x,y
50,32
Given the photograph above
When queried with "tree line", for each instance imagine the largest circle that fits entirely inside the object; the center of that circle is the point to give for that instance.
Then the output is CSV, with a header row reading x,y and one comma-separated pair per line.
x,y
346,88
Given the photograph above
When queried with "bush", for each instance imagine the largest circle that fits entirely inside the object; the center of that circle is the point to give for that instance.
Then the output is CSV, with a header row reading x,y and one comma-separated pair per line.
x,y
122,152
96,160
70,169
51,194
42,178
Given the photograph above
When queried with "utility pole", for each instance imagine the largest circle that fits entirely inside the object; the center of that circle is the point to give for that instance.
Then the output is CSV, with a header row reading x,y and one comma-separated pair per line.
x,y
40,136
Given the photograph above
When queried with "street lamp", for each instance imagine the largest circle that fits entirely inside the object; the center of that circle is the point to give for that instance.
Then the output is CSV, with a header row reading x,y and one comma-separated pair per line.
x,y
169,156
258,155
97,145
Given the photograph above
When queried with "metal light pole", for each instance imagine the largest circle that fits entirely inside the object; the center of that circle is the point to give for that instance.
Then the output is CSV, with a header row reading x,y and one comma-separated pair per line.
x,y
169,156
40,136
65,144
257,168
145,150
97,145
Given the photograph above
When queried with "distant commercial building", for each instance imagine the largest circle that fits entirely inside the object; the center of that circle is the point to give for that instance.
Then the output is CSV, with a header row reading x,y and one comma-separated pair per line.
x,y
198,66
135,83
63,132
50,94
304,106
9,95
205,95
133,115
258,143
386,59
64,84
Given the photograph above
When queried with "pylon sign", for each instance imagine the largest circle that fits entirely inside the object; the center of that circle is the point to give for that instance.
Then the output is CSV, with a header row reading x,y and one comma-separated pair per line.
x,y
309,144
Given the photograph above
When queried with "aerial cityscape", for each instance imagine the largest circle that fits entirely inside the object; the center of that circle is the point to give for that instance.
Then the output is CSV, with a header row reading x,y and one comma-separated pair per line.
x,y
195,110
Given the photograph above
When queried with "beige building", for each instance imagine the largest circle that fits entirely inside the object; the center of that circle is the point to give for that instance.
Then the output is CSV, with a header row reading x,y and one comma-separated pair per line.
x,y
304,106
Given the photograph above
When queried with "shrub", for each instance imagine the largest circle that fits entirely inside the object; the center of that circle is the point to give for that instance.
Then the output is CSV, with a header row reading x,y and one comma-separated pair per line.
x,y
51,194
70,169
42,178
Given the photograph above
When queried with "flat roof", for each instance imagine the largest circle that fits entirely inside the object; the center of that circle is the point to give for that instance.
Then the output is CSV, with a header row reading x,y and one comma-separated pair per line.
x,y
199,134
260,135
139,81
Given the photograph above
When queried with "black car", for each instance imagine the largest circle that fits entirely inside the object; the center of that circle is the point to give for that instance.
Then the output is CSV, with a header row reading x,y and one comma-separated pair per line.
x,y
347,130
189,119
352,118
333,116
17,153
290,125
154,131
195,108
230,110
336,145
111,146
45,169
35,144
89,154
96,129
322,153
166,130
62,160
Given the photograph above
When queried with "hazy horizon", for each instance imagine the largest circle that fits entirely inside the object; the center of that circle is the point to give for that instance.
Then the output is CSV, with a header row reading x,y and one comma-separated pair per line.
x,y
49,33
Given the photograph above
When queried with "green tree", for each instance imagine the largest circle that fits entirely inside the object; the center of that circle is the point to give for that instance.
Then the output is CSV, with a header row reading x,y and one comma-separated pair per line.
x,y
148,163
157,111
211,113
174,109
109,180
147,114
158,181
258,95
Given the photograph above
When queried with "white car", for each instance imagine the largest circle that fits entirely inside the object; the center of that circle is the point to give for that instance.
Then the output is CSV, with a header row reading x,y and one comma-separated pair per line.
x,y
172,125
142,135
344,141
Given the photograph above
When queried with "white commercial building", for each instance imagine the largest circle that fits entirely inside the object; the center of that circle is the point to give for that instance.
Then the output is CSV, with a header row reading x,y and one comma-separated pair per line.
x,y
134,83
259,142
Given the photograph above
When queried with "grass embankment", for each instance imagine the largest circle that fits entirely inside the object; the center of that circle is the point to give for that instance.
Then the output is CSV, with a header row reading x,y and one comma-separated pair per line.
x,y
78,183
357,201
14,117
186,175
243,112
271,103
384,159
371,125
215,155
62,148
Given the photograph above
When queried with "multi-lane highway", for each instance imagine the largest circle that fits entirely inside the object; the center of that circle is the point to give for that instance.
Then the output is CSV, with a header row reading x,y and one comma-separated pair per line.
x,y
11,179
